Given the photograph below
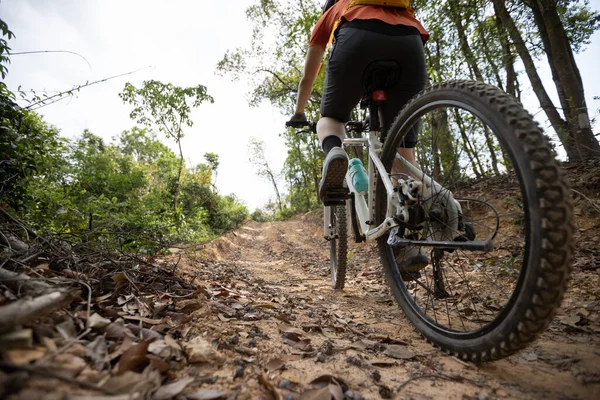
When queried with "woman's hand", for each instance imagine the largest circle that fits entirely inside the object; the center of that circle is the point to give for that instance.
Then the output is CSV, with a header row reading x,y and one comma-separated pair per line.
x,y
298,120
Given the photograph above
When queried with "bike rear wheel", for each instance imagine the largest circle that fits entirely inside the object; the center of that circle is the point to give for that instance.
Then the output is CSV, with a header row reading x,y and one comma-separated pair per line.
x,y
338,245
480,305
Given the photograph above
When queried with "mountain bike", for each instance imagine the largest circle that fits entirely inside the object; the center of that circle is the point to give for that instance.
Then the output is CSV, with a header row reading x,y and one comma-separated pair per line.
x,y
498,246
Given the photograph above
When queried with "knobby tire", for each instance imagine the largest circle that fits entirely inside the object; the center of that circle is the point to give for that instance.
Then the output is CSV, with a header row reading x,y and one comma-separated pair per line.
x,y
547,227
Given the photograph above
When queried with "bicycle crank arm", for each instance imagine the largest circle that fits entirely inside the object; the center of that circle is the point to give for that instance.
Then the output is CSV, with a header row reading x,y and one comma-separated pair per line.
x,y
474,245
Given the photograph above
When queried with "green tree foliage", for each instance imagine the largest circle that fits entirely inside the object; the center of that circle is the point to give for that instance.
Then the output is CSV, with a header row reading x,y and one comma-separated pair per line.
x,y
274,64
469,40
167,108
118,193
213,162
4,54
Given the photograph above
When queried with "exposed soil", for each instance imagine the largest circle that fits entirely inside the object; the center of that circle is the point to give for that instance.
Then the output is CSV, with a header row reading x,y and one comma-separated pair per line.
x,y
281,269
264,323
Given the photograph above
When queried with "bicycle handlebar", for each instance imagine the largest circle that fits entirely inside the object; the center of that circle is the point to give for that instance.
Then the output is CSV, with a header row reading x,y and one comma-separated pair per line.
x,y
302,124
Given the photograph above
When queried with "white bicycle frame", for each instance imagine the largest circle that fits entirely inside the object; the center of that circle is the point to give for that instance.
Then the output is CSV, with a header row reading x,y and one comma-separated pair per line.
x,y
365,210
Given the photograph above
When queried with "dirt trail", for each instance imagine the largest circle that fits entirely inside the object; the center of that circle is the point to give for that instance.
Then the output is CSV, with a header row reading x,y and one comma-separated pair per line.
x,y
266,279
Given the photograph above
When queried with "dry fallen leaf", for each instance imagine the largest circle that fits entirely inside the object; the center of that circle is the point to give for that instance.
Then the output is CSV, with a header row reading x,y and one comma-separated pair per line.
x,y
67,329
158,363
97,351
291,330
117,330
207,394
275,364
189,306
199,350
124,383
24,356
336,391
119,277
399,352
269,387
359,345
96,321
317,394
134,359
173,389
530,356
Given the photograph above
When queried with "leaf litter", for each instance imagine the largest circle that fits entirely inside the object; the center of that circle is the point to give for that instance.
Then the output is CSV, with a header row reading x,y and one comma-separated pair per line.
x,y
257,324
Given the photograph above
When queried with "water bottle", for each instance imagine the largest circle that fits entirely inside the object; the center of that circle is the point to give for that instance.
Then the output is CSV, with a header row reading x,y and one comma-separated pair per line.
x,y
358,174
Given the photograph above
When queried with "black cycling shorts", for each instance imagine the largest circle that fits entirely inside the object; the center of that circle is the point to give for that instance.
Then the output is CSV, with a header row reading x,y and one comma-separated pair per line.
x,y
358,44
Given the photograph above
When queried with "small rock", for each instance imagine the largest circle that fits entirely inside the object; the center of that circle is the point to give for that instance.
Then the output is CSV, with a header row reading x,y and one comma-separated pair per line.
x,y
354,361
416,365
252,343
235,339
199,350
320,357
385,392
285,384
239,372
349,394
375,375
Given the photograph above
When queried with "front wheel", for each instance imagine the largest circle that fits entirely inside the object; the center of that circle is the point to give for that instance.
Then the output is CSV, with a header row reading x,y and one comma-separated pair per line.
x,y
338,245
498,180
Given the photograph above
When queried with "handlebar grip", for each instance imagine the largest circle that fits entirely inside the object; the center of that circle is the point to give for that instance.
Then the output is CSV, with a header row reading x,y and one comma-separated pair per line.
x,y
302,124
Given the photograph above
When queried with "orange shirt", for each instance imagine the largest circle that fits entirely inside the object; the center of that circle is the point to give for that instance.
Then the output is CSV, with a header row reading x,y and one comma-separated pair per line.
x,y
393,16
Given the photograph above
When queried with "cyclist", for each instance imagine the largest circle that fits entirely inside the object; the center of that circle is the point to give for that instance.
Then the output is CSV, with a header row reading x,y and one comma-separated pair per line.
x,y
365,34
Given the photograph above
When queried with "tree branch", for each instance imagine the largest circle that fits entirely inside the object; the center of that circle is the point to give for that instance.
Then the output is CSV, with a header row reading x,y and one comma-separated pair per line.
x,y
278,78
60,94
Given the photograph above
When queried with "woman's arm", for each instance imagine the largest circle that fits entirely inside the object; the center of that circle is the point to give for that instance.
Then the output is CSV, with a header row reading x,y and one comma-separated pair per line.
x,y
314,57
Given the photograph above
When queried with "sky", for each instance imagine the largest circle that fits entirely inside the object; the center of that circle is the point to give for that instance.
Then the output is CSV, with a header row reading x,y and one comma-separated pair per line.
x,y
179,42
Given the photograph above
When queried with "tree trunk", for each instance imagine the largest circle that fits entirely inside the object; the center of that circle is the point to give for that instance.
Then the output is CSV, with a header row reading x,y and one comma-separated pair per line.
x,y
276,189
488,57
471,152
469,56
435,153
509,60
490,143
559,124
464,42
566,78
178,183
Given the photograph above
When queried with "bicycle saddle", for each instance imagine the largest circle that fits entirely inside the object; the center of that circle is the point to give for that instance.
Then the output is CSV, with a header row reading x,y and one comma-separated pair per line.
x,y
381,75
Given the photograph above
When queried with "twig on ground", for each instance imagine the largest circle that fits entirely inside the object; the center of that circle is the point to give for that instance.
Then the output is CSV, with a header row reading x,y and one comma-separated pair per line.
x,y
21,224
593,202
25,310
30,257
18,282
49,374
6,241
176,265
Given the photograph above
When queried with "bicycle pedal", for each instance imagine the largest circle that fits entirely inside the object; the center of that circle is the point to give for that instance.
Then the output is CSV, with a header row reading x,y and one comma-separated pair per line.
x,y
336,196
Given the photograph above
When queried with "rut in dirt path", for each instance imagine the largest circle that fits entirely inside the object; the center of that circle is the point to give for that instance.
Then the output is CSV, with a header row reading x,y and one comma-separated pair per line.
x,y
359,336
